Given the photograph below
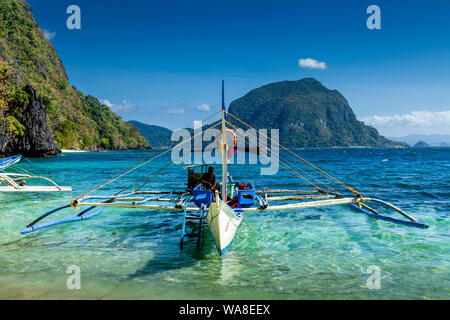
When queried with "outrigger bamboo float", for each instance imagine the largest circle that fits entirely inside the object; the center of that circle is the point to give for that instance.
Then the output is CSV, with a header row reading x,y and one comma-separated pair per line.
x,y
224,211
17,182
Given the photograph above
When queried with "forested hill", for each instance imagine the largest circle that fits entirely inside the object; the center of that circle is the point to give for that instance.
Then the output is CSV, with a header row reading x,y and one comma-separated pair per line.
x,y
307,115
156,136
74,119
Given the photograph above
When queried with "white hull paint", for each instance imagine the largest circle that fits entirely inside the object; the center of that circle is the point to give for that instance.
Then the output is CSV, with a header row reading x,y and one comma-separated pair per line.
x,y
34,189
223,223
11,181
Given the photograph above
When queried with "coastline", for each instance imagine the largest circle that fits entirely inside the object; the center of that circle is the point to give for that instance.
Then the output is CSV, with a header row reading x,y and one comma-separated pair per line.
x,y
72,151
100,150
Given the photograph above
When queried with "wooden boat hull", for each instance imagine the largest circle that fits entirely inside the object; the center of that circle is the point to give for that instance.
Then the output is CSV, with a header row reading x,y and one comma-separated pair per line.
x,y
223,223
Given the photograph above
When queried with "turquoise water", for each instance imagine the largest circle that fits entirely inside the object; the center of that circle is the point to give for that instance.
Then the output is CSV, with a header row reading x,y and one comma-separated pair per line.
x,y
320,253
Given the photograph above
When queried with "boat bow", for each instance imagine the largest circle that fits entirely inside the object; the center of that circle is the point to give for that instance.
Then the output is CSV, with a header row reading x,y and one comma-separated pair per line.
x,y
223,222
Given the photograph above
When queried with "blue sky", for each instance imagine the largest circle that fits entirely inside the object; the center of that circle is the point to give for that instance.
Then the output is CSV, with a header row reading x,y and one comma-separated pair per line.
x,y
161,62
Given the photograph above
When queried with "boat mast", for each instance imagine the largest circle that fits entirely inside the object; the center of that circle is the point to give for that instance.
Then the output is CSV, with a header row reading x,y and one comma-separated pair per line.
x,y
224,149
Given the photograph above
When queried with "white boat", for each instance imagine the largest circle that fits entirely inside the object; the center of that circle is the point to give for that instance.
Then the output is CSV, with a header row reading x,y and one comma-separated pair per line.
x,y
223,222
17,182
224,217
6,162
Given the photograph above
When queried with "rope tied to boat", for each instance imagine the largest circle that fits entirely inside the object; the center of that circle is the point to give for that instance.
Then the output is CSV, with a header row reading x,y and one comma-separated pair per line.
x,y
290,169
135,165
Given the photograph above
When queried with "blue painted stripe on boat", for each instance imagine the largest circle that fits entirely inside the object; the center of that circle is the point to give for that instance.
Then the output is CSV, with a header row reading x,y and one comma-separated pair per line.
x,y
222,252
237,211
386,218
4,163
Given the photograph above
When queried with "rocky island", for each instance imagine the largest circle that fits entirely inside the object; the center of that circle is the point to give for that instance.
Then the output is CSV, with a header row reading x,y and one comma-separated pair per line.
x,y
40,112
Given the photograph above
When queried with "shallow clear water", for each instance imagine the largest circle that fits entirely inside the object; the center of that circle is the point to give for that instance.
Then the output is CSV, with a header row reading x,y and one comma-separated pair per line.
x,y
320,253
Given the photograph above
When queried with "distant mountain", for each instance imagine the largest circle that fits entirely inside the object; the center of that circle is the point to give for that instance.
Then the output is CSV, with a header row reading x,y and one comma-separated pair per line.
x,y
433,140
421,144
156,136
307,115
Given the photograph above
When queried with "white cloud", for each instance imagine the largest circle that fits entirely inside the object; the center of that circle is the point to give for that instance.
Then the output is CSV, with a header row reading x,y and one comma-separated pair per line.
x,y
125,106
174,110
106,102
416,122
204,107
48,34
413,119
311,64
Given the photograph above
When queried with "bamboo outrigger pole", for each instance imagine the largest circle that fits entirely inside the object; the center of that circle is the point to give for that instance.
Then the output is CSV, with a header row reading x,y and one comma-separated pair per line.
x,y
224,149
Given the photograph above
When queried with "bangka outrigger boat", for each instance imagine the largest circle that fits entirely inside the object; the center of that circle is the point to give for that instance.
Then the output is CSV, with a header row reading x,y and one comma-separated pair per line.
x,y
17,182
223,211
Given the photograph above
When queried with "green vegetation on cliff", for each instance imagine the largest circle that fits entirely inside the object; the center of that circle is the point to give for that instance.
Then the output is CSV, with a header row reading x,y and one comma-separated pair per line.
x,y
307,115
76,120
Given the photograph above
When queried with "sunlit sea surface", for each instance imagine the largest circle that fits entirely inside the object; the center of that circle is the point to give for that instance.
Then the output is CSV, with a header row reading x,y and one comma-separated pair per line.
x,y
319,253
